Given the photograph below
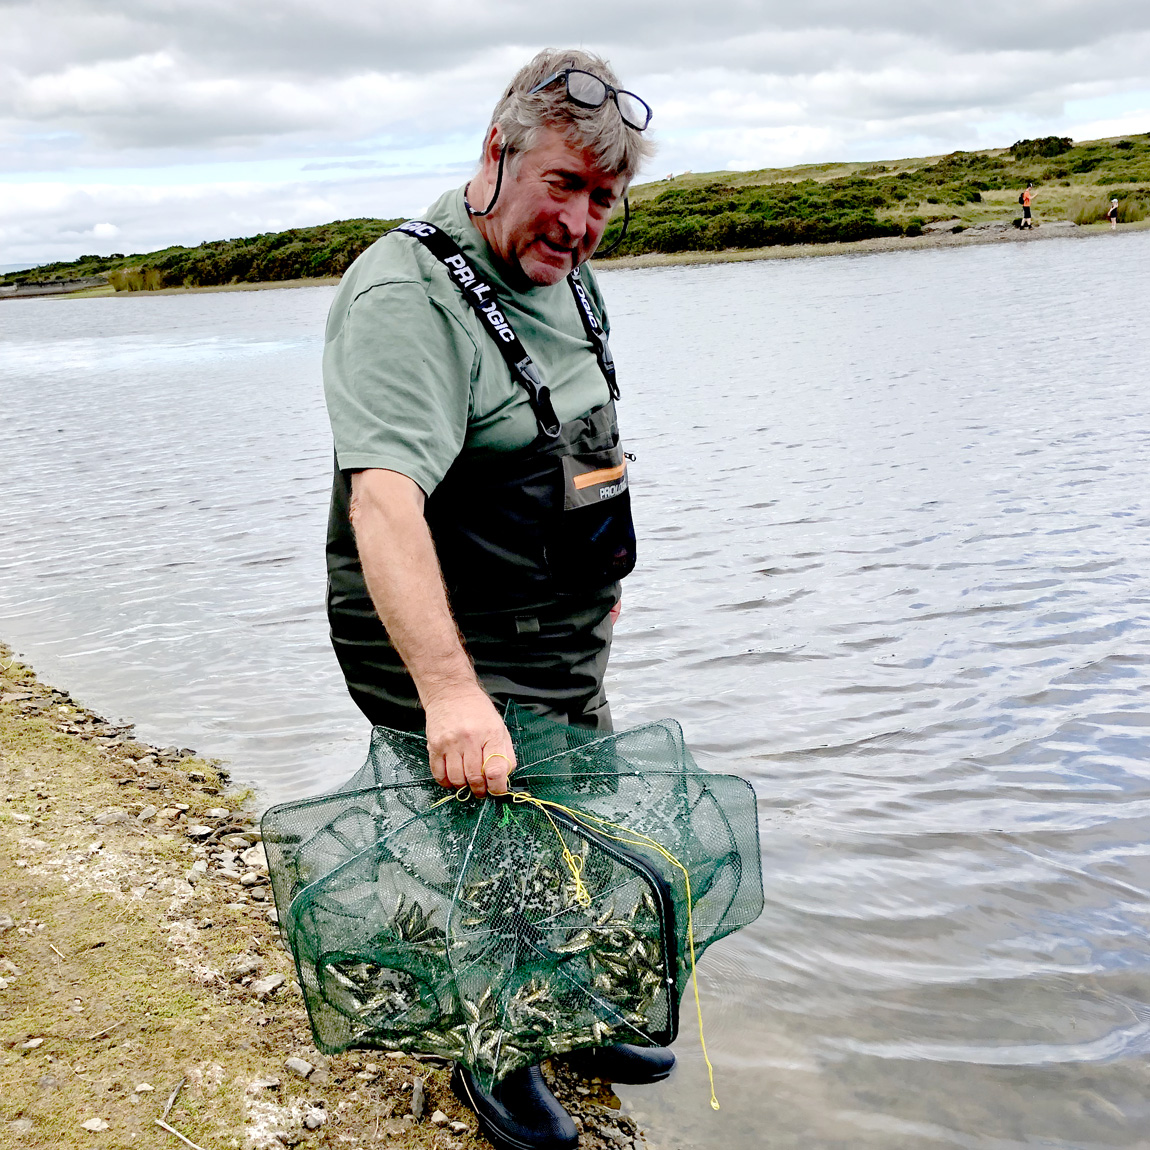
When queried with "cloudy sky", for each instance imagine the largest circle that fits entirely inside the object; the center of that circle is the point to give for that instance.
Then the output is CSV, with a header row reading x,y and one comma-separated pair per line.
x,y
126,125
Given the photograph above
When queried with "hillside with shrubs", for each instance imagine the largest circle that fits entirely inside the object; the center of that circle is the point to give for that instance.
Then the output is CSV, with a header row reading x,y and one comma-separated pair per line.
x,y
808,204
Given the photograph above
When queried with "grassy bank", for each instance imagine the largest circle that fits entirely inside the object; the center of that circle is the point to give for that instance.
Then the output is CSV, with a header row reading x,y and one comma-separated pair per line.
x,y
809,206
139,960
844,203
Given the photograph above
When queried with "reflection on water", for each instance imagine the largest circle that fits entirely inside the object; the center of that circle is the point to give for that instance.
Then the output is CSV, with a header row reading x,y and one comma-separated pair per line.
x,y
894,570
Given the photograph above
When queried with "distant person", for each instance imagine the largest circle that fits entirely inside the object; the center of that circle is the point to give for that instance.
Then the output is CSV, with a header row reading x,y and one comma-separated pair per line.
x,y
1027,221
1112,215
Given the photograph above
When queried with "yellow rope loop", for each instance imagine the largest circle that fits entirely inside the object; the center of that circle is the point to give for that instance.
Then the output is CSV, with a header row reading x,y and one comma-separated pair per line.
x,y
574,865
632,838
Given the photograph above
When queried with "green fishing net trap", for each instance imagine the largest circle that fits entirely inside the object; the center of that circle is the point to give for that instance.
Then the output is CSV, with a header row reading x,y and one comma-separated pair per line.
x,y
504,930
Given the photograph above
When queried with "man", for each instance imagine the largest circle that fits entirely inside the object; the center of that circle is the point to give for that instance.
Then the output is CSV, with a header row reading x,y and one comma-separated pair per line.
x,y
480,516
1027,222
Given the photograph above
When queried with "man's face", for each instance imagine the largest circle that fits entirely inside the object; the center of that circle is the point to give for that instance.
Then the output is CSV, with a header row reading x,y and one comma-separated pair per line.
x,y
552,210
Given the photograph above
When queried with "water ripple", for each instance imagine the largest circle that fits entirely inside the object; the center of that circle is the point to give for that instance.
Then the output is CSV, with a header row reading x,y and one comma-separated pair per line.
x,y
893,569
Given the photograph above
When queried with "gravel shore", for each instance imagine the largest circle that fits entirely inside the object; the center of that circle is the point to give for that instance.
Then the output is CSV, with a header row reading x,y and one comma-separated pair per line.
x,y
142,977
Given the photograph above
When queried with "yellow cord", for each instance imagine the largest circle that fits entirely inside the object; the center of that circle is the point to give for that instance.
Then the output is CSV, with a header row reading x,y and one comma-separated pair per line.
x,y
575,865
636,838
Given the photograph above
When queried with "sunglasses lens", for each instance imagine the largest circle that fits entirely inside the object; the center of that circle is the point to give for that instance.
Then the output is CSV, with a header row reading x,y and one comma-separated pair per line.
x,y
633,110
586,89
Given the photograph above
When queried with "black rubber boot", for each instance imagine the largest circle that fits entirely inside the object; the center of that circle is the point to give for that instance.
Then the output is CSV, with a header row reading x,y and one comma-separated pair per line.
x,y
519,1113
631,1065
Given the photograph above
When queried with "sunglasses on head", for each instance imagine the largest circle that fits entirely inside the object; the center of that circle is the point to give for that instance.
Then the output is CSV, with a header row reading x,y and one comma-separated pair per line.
x,y
587,91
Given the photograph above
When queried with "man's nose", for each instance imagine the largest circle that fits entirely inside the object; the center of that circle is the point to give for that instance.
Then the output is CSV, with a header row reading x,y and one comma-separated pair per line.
x,y
574,213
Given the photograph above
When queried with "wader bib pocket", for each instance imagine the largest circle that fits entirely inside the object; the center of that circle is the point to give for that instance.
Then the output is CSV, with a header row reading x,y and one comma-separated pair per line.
x,y
591,542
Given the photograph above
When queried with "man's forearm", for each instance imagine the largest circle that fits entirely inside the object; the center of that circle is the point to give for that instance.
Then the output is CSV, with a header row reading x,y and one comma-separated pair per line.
x,y
403,578
467,742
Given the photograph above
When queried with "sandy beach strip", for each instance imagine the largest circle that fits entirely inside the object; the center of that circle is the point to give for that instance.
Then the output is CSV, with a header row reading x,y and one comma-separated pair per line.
x,y
1056,229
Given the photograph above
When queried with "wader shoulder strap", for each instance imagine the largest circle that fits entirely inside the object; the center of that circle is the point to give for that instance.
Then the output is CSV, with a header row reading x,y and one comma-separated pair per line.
x,y
595,332
482,298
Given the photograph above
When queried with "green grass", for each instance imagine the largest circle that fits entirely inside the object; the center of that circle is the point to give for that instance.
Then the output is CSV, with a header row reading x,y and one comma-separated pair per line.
x,y
300,253
843,202
715,211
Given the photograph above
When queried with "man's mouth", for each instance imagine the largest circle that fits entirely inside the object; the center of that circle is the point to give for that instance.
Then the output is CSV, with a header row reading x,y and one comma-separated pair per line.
x,y
558,249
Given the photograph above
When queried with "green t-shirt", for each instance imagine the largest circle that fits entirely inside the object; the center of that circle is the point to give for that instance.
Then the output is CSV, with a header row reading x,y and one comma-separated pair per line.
x,y
412,379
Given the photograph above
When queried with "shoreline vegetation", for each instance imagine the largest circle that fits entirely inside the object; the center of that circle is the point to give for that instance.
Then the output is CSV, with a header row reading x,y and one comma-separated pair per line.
x,y
811,209
142,977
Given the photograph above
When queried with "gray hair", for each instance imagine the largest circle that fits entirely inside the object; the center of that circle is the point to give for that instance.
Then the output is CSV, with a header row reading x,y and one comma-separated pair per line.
x,y
617,148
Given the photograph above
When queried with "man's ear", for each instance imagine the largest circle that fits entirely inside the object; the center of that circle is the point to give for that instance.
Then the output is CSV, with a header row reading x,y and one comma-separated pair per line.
x,y
492,146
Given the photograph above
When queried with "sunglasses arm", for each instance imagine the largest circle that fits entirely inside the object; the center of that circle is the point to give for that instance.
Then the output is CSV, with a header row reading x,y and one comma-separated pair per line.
x,y
622,235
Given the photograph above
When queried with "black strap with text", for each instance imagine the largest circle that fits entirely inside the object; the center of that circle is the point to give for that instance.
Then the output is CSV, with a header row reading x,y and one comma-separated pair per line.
x,y
485,302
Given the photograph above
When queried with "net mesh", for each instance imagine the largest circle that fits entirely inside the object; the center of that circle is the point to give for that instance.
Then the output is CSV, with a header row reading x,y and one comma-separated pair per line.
x,y
499,932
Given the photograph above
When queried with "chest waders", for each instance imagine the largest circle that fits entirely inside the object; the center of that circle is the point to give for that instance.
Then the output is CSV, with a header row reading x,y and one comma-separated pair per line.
x,y
532,544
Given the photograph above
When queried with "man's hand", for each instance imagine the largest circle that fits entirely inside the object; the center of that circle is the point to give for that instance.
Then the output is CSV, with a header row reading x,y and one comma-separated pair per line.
x,y
467,742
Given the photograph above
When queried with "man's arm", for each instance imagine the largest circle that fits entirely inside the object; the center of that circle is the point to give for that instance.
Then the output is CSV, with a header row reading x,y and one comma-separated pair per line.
x,y
464,730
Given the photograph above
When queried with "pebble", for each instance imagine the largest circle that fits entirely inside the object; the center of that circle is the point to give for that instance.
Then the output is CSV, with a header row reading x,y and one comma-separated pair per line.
x,y
95,1125
6,923
299,1066
4,984
314,1119
146,814
145,1088
263,1084
255,857
249,879
48,1082
217,813
418,1101
438,1118
199,832
267,986
32,1044
244,965
235,842
459,1128
110,817
21,1127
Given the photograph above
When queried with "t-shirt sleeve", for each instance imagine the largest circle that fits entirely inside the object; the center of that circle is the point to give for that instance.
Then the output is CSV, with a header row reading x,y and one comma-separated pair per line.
x,y
397,378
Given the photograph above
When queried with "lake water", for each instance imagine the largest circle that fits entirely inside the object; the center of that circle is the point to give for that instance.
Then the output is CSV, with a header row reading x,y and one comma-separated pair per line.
x,y
895,570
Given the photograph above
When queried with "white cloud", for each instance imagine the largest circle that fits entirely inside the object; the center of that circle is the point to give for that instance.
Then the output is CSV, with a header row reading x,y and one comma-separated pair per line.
x,y
50,221
224,90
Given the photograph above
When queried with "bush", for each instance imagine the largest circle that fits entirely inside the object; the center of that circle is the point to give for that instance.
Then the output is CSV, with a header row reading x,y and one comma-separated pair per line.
x,y
1044,146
